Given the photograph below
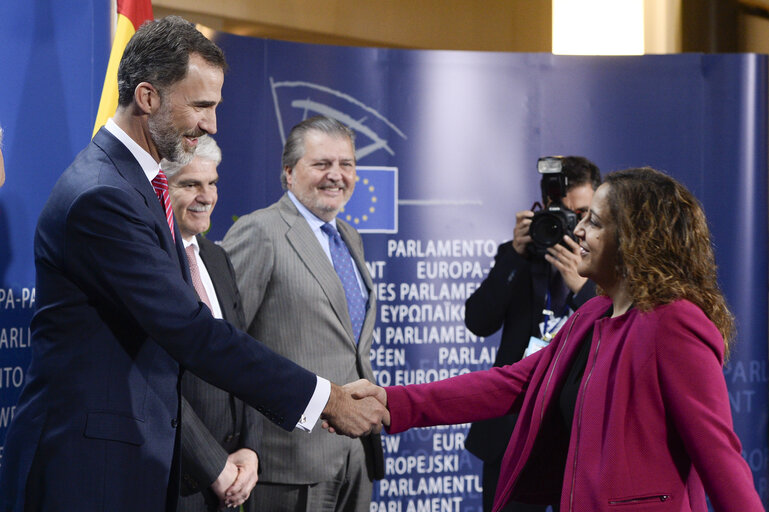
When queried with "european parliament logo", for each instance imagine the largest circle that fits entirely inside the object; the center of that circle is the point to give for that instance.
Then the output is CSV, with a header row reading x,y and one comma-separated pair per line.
x,y
373,207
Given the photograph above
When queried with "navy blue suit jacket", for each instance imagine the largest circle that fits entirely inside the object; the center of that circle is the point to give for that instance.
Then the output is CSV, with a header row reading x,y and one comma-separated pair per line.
x,y
96,424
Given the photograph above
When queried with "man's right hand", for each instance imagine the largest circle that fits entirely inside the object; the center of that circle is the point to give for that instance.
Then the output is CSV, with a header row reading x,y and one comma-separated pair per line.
x,y
363,388
224,481
247,462
347,416
521,237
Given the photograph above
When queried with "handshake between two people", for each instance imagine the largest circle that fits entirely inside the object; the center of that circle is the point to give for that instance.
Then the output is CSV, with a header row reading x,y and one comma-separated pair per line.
x,y
356,409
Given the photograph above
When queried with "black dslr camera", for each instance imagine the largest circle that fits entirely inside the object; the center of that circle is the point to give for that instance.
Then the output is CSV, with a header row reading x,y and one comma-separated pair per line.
x,y
549,225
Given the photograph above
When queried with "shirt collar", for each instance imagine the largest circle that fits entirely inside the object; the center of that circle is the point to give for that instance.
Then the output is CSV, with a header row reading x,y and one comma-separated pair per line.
x,y
193,242
146,161
313,220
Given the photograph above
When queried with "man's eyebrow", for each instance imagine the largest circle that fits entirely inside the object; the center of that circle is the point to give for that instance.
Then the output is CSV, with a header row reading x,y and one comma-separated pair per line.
x,y
206,103
188,181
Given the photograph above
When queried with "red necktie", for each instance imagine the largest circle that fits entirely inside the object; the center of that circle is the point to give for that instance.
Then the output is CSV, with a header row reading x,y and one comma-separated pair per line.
x,y
197,282
160,184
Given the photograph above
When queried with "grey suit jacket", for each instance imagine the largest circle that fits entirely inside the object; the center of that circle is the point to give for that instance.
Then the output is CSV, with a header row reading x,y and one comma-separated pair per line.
x,y
215,423
293,299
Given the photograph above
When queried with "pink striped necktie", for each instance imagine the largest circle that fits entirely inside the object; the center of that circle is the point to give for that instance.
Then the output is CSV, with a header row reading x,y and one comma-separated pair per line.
x,y
160,184
197,281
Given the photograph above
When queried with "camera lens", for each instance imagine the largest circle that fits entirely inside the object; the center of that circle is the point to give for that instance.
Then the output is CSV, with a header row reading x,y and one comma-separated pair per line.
x,y
547,229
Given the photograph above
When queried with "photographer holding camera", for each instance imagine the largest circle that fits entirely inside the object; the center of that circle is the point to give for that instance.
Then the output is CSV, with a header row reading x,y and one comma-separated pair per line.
x,y
531,290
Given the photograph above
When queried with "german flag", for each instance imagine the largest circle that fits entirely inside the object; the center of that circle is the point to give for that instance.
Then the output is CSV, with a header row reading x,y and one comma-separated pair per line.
x,y
130,15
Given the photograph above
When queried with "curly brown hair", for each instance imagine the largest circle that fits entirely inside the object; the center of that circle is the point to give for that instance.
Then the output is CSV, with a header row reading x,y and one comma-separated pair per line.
x,y
664,245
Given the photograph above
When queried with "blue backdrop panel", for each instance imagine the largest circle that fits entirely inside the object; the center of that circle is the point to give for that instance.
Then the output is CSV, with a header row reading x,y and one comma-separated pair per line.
x,y
52,61
464,130
448,142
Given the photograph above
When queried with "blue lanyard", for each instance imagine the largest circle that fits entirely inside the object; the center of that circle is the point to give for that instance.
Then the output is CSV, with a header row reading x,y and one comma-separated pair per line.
x,y
547,314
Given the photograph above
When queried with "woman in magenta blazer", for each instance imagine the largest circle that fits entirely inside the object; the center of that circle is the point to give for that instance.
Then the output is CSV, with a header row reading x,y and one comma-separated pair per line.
x,y
627,408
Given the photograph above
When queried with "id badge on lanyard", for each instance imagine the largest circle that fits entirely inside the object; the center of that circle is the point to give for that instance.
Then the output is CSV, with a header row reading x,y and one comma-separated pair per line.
x,y
549,327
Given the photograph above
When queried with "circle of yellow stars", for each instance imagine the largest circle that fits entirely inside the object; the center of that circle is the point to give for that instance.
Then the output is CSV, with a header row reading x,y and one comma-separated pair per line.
x,y
371,209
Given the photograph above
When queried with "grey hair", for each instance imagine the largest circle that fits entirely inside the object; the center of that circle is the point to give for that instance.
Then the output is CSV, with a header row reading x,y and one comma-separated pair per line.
x,y
207,149
1,137
293,150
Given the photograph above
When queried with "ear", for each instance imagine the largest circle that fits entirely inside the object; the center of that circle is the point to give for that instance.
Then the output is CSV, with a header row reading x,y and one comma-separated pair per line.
x,y
289,175
146,97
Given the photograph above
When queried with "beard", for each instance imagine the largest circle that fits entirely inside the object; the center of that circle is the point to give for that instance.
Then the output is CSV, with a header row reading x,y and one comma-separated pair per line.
x,y
168,140
323,208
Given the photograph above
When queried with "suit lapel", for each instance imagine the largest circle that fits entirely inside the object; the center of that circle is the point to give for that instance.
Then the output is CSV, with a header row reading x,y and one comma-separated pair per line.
x,y
217,270
131,171
307,247
345,230
182,257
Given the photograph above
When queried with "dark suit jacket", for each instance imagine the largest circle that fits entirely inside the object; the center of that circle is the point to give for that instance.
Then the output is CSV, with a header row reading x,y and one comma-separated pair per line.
x,y
293,299
214,422
95,427
512,298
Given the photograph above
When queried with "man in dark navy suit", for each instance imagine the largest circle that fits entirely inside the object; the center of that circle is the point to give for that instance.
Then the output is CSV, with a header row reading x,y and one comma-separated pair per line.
x,y
96,426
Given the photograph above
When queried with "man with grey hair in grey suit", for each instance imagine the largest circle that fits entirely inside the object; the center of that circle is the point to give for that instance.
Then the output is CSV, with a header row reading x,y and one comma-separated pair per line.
x,y
308,294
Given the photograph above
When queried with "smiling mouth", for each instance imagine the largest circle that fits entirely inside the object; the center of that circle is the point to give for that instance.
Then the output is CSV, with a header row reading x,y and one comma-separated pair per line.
x,y
194,136
200,209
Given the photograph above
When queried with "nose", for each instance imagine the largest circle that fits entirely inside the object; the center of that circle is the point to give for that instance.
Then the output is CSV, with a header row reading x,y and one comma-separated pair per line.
x,y
579,231
207,194
203,196
208,121
335,172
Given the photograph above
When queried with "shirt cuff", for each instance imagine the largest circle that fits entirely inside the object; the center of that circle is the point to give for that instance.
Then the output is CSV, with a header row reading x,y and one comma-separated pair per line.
x,y
317,403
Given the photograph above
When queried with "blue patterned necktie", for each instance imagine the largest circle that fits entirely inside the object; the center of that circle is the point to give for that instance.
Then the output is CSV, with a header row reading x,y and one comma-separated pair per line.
x,y
340,255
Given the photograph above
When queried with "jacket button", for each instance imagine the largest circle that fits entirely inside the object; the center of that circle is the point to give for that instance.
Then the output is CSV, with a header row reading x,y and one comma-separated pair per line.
x,y
174,423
